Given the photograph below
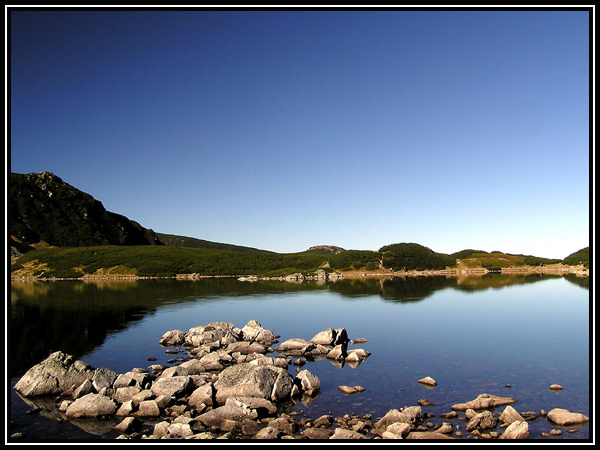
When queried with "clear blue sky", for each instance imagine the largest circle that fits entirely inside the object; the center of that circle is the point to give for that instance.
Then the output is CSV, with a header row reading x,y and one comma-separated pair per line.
x,y
286,129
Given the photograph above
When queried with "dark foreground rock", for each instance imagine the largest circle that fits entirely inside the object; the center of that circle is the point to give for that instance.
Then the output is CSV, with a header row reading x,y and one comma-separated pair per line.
x,y
229,388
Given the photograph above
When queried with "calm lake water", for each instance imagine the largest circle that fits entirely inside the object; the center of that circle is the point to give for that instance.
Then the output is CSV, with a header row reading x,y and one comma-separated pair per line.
x,y
473,335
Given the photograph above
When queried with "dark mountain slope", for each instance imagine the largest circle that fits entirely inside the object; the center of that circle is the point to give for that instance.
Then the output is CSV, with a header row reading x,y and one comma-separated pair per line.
x,y
45,209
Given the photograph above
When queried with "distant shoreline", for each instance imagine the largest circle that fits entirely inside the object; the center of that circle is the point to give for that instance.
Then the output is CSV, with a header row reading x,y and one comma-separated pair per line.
x,y
563,270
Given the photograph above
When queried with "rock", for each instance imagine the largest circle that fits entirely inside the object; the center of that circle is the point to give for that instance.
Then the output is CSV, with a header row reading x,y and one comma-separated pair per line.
x,y
123,394
484,421
284,425
556,387
358,355
424,402
399,429
260,405
204,394
147,408
337,353
59,373
564,417
342,433
268,433
510,415
91,405
358,341
449,416
326,337
317,433
173,338
446,428
176,386
428,381
295,346
324,421
103,378
230,411
408,415
349,390
248,380
341,336
516,430
128,425
427,435
308,382
85,388
181,430
484,401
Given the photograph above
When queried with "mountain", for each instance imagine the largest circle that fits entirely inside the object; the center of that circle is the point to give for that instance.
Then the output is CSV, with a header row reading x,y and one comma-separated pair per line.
x,y
46,211
325,250
189,242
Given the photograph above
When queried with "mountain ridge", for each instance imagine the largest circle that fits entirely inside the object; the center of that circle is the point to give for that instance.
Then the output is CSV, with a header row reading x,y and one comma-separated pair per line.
x,y
46,211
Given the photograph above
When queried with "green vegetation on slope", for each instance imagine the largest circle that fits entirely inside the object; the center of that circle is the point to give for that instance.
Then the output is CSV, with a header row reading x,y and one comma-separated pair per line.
x,y
165,261
579,257
189,242
415,257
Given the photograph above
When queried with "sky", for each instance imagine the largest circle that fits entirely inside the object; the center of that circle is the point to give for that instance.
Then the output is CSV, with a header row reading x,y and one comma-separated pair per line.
x,y
282,130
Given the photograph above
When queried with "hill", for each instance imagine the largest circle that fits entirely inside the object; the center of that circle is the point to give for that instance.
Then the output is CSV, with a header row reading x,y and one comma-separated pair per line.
x,y
579,257
190,242
46,211
325,250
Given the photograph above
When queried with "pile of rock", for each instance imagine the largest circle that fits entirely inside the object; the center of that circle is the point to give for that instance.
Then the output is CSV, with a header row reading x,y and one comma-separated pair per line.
x,y
227,383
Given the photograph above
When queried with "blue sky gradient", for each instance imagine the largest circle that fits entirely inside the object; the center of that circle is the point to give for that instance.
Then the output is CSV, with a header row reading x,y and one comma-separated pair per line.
x,y
286,129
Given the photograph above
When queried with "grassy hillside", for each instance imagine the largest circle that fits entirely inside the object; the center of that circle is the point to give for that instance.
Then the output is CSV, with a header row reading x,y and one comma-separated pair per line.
x,y
190,242
169,261
579,257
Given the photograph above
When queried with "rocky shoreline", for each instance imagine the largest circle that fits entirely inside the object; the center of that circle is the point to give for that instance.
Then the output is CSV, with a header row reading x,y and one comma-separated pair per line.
x,y
321,275
229,387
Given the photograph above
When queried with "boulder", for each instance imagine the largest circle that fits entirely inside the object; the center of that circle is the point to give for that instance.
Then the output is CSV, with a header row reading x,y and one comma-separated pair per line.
x,y
326,337
516,430
91,405
231,411
398,429
349,390
295,346
483,421
202,395
428,381
308,382
173,338
103,378
564,417
342,433
147,408
510,415
427,435
484,401
248,380
268,433
176,386
260,405
59,373
337,353
358,355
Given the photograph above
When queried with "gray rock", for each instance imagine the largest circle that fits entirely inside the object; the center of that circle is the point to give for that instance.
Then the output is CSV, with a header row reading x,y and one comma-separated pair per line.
x,y
308,382
510,415
248,380
342,433
173,338
59,373
484,401
147,408
230,411
484,421
172,387
91,405
427,435
326,337
516,430
268,433
204,394
564,417
103,378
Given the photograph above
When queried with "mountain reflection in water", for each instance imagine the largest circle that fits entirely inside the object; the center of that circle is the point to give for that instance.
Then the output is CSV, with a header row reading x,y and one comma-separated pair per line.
x,y
78,316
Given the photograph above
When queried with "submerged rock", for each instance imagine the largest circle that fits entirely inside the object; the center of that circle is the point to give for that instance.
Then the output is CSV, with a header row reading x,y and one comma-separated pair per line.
x,y
484,401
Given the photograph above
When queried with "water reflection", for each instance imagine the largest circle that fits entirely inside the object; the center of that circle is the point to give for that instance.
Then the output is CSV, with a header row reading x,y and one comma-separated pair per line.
x,y
77,317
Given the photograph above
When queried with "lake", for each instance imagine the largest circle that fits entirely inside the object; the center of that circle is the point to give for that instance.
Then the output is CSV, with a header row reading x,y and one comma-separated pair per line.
x,y
509,335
